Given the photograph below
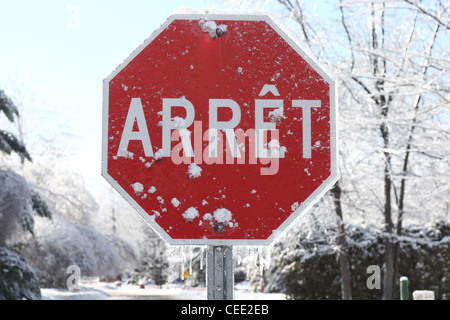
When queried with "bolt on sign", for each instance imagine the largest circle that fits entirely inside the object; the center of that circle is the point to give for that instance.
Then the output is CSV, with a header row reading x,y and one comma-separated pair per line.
x,y
219,129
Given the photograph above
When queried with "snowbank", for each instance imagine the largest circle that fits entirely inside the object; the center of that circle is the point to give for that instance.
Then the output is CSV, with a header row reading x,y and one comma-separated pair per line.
x,y
96,290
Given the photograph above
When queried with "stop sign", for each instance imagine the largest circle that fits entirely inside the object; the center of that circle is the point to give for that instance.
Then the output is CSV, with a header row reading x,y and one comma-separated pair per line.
x,y
219,130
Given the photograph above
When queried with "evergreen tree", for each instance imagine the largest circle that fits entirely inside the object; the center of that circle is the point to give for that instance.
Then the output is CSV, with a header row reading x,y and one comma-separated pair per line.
x,y
154,264
8,142
308,269
17,202
17,279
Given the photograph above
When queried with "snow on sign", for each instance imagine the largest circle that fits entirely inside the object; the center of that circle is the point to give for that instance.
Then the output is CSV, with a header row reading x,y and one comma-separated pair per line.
x,y
219,130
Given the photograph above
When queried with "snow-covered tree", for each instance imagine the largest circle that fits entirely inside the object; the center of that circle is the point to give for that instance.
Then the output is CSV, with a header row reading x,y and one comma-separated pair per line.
x,y
391,58
153,264
63,243
305,267
9,143
18,280
18,202
47,187
395,81
74,236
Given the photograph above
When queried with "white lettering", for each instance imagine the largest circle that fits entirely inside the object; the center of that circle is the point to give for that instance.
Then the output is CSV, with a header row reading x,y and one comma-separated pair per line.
x,y
269,88
228,126
262,127
135,114
264,139
193,310
306,105
180,124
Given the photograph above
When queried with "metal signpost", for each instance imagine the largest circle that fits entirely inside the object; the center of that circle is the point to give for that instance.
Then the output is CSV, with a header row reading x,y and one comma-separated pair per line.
x,y
220,130
219,273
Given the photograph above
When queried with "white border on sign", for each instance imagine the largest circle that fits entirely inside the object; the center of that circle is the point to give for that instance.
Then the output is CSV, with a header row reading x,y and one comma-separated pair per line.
x,y
306,55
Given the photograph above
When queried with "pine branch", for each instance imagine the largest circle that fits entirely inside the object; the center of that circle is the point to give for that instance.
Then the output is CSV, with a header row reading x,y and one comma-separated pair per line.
x,y
7,106
40,206
9,143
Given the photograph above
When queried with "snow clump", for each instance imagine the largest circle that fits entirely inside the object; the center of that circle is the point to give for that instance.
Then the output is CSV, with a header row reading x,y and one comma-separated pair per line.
x,y
158,154
190,214
277,115
223,215
276,150
294,206
212,28
137,187
179,122
175,202
194,171
207,216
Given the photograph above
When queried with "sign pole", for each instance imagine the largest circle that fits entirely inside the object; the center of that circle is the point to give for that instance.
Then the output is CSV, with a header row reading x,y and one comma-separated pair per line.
x,y
219,273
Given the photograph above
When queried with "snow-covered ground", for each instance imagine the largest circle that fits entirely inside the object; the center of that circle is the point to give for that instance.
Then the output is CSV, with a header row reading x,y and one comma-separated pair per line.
x,y
96,290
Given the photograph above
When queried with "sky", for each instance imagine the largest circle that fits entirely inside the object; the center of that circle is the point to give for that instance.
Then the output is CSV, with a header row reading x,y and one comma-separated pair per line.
x,y
53,59
57,53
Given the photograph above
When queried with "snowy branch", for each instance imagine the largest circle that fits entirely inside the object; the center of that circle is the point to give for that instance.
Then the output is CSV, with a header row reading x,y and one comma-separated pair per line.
x,y
428,13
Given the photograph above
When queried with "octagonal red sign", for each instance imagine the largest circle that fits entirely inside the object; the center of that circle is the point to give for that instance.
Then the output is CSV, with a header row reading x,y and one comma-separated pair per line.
x,y
219,129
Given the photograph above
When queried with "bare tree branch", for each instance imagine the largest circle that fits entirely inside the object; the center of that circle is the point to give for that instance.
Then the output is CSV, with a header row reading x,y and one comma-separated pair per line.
x,y
347,32
428,13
